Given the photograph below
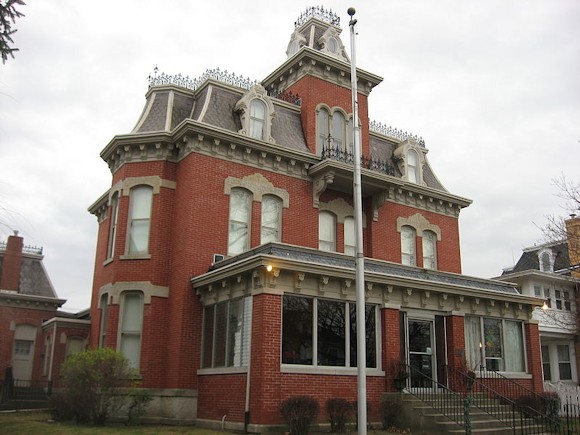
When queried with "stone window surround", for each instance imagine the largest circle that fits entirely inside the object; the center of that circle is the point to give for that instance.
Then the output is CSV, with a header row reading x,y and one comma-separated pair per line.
x,y
420,223
258,186
331,110
115,290
400,155
243,108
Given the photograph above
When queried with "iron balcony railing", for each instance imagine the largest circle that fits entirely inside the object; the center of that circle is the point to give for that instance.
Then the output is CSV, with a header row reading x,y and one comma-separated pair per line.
x,y
346,155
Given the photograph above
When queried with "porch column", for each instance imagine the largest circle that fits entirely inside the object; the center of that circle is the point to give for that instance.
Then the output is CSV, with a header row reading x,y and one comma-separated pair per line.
x,y
391,331
534,355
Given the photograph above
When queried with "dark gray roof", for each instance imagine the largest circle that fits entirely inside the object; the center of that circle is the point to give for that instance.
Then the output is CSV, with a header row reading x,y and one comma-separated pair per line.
x,y
34,280
220,110
530,260
156,117
313,256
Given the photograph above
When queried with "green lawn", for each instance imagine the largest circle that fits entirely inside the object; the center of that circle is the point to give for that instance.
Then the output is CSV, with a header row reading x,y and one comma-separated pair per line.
x,y
34,423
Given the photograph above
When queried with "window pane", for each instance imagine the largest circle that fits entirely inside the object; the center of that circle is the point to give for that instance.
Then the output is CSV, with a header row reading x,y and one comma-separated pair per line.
x,y
139,224
235,336
514,347
130,347
429,250
240,209
113,225
564,362
257,119
412,166
408,246
208,327
271,212
23,347
370,333
546,363
322,127
327,231
338,130
131,327
104,318
492,333
297,318
473,341
349,236
331,333
220,335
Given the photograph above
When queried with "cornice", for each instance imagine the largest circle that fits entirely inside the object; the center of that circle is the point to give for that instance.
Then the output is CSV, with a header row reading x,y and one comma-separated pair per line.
x,y
29,301
311,62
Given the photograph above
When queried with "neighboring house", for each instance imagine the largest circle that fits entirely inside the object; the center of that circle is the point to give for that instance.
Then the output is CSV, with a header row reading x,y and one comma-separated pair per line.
x,y
545,271
224,263
29,317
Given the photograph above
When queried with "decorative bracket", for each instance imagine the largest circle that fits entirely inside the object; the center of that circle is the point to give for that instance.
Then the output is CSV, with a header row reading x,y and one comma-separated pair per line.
x,y
319,186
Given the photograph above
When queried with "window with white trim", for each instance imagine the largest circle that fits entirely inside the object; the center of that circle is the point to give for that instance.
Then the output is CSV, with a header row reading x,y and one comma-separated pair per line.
x,y
326,231
333,132
271,219
322,127
564,362
113,224
408,246
240,217
349,236
140,219
257,119
131,326
429,243
413,174
226,333
496,344
322,332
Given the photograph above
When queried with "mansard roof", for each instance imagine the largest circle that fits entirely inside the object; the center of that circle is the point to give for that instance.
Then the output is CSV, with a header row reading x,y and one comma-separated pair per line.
x,y
530,259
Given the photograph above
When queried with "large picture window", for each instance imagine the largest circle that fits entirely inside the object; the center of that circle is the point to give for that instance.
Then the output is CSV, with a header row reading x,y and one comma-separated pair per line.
x,y
226,333
495,344
322,332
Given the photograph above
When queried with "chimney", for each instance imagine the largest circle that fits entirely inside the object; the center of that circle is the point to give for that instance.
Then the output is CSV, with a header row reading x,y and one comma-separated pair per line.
x,y
12,263
573,233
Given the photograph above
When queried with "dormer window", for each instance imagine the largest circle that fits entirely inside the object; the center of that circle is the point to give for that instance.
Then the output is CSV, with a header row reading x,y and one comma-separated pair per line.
x,y
410,157
332,131
331,44
546,260
256,113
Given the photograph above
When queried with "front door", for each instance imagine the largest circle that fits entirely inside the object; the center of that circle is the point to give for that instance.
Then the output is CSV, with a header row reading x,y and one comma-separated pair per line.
x,y
421,353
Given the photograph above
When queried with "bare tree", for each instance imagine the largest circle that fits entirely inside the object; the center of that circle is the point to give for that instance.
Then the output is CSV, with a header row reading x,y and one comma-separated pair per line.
x,y
569,191
8,15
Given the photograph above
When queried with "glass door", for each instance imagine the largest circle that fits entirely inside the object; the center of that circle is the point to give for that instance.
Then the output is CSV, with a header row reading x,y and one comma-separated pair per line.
x,y
421,353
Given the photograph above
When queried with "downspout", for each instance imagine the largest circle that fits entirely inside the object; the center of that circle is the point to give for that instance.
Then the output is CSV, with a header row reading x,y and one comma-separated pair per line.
x,y
52,352
247,404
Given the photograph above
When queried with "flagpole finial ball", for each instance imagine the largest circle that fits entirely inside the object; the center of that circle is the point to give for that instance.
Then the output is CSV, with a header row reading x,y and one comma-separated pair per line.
x,y
351,11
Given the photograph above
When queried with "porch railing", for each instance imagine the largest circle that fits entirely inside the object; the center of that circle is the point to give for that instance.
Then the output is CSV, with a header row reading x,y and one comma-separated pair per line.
x,y
513,404
24,390
346,155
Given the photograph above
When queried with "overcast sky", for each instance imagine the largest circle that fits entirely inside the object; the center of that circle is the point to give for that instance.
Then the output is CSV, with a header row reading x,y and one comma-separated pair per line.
x,y
492,86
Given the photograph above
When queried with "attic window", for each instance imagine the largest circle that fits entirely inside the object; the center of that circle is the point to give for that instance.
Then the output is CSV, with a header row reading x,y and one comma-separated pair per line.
x,y
256,112
410,158
546,260
332,45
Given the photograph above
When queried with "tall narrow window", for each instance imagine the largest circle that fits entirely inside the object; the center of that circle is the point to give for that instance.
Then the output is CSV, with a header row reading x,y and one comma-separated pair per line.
x,y
326,231
322,120
546,363
493,346
271,219
349,236
545,263
412,167
140,219
338,130
131,326
514,341
408,246
429,250
240,212
257,119
564,363
113,224
104,319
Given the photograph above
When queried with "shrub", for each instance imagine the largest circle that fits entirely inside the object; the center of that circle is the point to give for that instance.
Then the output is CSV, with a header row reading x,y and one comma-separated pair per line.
x,y
138,402
339,413
299,413
93,383
390,413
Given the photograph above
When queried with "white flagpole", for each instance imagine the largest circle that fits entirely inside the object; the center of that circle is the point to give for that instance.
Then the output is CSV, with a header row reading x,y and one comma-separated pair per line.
x,y
360,264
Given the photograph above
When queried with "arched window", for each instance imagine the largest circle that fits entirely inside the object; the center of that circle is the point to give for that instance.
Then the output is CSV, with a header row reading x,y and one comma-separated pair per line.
x,y
408,246
338,130
113,225
240,213
271,219
131,326
140,219
322,119
429,250
545,262
349,236
257,119
413,174
326,231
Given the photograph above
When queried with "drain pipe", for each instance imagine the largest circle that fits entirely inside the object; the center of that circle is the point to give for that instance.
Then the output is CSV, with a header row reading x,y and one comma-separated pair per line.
x,y
224,421
247,404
